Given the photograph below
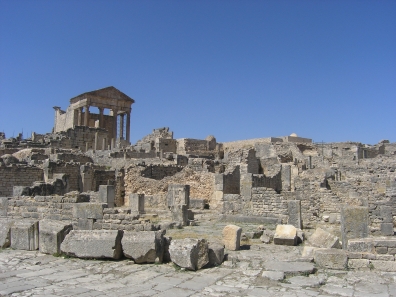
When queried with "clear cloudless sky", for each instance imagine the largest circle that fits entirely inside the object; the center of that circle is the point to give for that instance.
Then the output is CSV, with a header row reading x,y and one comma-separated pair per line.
x,y
325,70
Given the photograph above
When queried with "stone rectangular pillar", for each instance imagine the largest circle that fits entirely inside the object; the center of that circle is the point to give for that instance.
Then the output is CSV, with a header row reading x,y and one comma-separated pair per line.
x,y
286,177
246,186
107,195
122,126
354,223
387,220
294,212
178,195
86,116
115,114
136,202
3,206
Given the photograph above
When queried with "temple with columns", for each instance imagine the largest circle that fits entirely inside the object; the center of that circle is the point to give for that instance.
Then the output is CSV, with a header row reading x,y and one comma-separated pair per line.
x,y
116,122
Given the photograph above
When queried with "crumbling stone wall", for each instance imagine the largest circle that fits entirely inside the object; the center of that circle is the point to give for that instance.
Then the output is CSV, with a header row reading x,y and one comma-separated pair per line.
x,y
201,184
18,175
158,172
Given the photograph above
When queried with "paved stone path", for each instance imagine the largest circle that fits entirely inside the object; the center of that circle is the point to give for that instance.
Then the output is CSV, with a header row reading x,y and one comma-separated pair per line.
x,y
25,273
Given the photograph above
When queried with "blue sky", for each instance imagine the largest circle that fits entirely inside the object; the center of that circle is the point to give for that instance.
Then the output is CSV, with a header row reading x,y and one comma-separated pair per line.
x,y
325,70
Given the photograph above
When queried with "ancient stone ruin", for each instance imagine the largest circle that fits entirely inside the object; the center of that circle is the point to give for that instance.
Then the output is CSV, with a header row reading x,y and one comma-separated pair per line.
x,y
85,191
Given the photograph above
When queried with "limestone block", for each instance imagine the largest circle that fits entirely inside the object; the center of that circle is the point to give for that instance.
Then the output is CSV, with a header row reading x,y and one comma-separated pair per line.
x,y
216,254
178,195
388,266
144,246
25,236
389,242
308,251
386,214
331,258
189,253
96,244
88,211
18,191
354,223
294,212
358,264
323,239
107,195
197,203
3,206
85,224
51,235
180,214
362,245
136,202
285,235
232,237
387,229
5,233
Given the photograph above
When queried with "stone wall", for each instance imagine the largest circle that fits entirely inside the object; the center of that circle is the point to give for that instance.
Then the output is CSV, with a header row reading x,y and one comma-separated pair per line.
x,y
18,176
158,172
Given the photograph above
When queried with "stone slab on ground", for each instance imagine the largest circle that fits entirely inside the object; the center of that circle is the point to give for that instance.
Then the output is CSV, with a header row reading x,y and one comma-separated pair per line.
x,y
232,237
331,258
51,235
25,235
143,246
93,244
303,281
290,268
274,275
189,253
285,235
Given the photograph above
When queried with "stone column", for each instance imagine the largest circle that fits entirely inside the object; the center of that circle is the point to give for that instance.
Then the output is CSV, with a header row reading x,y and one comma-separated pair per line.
x,y
115,124
79,116
101,124
128,128
86,116
122,125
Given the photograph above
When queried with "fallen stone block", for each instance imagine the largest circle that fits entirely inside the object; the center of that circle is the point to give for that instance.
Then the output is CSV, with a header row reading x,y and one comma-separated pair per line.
x,y
88,211
303,281
25,235
323,239
51,235
216,254
232,237
95,244
5,233
144,246
285,235
189,253
331,258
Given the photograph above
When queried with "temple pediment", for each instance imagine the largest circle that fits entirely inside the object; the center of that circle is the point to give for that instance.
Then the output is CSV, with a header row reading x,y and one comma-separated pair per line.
x,y
105,93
